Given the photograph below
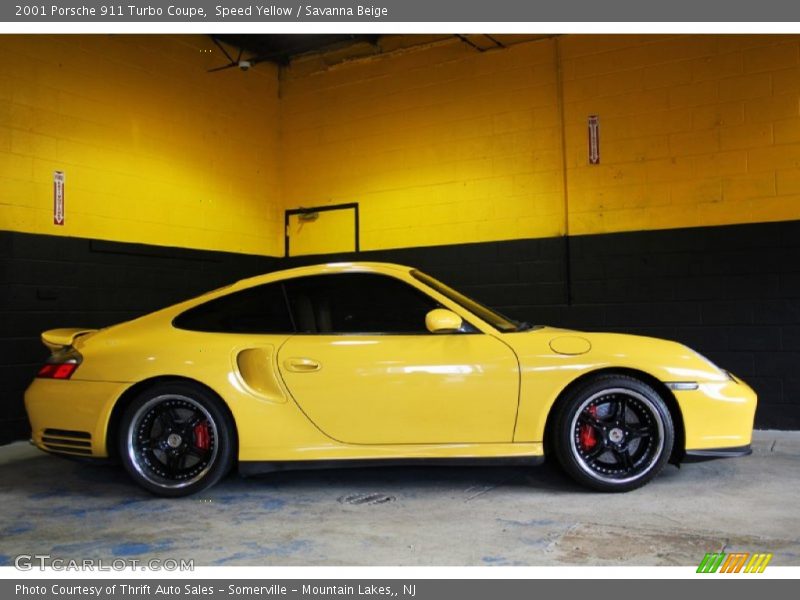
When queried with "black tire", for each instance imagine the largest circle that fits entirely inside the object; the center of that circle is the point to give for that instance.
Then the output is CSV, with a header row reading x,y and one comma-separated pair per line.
x,y
176,439
613,433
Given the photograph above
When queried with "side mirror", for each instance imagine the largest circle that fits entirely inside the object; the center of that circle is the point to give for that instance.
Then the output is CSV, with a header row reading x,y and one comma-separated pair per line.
x,y
441,320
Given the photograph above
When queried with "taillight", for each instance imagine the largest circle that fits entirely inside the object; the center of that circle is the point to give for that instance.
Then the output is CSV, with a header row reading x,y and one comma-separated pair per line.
x,y
61,364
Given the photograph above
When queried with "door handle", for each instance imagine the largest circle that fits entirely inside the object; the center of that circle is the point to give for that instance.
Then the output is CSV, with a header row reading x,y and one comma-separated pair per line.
x,y
301,365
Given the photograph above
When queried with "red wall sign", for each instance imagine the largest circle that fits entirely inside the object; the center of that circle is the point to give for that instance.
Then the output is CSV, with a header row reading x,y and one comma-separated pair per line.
x,y
594,140
58,198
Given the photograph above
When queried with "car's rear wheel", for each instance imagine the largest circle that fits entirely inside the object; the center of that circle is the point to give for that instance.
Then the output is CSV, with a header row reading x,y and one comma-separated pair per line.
x,y
176,439
614,433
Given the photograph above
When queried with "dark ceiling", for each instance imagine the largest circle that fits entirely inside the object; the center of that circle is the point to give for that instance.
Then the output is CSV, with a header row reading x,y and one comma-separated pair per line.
x,y
282,48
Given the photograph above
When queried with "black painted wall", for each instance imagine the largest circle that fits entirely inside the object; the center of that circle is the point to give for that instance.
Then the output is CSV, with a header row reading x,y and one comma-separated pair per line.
x,y
732,293
50,281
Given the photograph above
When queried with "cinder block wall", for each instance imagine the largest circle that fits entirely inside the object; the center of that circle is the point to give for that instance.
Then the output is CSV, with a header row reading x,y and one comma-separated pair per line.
x,y
695,130
57,281
687,229
439,144
470,165
155,149
442,144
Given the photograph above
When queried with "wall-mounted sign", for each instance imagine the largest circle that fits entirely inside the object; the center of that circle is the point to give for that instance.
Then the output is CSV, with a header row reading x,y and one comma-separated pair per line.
x,y
58,198
594,140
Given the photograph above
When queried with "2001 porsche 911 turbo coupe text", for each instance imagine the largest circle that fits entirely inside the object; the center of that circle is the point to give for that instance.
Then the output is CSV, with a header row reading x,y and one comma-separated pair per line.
x,y
368,361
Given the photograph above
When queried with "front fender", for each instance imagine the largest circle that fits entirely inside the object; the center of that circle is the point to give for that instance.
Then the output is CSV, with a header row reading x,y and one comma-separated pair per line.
x,y
546,369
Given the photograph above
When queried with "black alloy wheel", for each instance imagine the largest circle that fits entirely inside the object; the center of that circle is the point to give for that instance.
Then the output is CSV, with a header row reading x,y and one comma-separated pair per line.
x,y
176,439
613,434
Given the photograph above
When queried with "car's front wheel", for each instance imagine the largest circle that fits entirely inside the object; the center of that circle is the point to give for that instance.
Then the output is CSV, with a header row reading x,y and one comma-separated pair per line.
x,y
176,439
614,433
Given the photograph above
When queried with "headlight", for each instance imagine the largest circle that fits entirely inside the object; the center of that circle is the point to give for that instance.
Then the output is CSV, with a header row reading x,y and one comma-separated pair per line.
x,y
710,363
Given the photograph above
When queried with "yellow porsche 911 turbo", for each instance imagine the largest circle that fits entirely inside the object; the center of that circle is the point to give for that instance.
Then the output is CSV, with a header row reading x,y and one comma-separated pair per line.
x,y
350,362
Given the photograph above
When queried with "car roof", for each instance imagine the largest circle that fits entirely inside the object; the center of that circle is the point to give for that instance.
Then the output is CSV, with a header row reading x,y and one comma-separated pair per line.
x,y
324,269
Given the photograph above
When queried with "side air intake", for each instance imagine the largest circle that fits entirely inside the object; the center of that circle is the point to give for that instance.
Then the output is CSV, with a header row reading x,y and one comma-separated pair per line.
x,y
68,442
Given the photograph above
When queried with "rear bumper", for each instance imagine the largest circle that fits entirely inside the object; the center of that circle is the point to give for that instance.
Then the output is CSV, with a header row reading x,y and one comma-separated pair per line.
x,y
71,416
714,453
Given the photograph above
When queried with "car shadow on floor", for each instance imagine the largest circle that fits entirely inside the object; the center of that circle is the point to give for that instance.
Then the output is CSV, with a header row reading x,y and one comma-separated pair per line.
x,y
39,473
41,476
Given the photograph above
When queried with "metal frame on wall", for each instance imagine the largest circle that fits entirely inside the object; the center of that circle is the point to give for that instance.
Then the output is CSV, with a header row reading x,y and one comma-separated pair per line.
x,y
316,209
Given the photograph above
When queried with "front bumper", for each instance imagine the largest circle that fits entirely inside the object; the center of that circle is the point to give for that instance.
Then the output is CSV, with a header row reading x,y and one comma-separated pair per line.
x,y
71,416
718,418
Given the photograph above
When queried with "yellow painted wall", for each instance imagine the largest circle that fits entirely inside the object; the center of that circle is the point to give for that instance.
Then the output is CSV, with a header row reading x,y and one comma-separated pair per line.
x,y
437,145
695,130
155,150
442,144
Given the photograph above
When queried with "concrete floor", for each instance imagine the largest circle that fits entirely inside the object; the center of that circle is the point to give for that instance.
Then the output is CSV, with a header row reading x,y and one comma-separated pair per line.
x,y
417,516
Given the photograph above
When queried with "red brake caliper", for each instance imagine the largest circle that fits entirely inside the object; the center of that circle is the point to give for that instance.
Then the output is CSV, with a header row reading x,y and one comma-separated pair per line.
x,y
201,435
587,434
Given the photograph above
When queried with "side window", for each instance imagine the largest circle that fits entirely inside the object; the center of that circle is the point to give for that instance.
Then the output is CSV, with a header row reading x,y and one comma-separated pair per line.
x,y
260,309
357,303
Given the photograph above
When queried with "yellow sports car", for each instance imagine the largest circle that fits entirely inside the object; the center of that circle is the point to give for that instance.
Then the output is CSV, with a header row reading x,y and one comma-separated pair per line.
x,y
358,361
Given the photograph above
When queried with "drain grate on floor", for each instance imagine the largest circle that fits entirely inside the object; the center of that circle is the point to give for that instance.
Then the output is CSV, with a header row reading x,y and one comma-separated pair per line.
x,y
368,498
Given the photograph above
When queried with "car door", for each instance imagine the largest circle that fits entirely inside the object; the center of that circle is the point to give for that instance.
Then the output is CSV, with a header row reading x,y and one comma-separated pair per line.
x,y
365,369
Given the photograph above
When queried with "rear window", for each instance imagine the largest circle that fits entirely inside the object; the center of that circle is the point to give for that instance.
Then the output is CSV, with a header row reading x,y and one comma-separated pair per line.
x,y
260,309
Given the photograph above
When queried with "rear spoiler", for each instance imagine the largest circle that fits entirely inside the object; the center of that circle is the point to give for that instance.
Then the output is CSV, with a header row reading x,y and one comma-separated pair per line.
x,y
55,339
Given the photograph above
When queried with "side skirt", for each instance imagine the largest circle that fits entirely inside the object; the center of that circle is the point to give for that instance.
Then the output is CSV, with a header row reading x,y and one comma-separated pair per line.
x,y
250,468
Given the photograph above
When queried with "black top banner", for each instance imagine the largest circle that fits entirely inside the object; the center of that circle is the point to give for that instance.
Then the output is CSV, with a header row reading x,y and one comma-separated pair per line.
x,y
393,11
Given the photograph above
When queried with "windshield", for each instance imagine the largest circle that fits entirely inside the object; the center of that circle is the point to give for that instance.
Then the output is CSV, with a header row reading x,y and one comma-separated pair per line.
x,y
494,318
